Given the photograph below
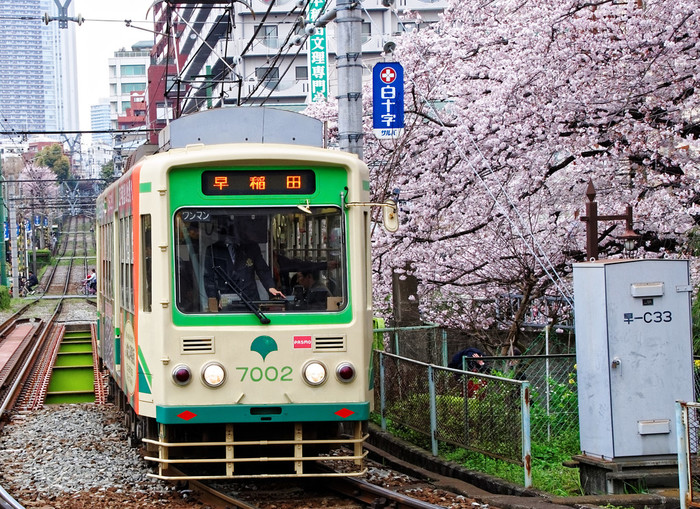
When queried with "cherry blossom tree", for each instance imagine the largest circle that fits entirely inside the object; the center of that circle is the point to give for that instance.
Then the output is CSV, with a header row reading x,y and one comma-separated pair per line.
x,y
511,109
38,191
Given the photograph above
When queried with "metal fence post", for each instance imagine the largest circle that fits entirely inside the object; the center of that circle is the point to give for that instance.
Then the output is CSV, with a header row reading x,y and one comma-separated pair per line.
x,y
683,466
433,411
527,445
382,395
445,357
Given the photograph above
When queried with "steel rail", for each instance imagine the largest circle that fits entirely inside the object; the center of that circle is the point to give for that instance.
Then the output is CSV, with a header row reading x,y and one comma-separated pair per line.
x,y
7,502
29,362
374,495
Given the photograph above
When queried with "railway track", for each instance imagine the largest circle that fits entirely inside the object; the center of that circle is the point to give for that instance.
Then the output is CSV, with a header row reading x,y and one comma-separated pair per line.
x,y
72,261
343,492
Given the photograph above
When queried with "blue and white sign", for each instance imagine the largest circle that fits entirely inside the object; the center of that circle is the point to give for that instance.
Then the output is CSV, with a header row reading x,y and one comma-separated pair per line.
x,y
37,220
387,100
7,231
28,226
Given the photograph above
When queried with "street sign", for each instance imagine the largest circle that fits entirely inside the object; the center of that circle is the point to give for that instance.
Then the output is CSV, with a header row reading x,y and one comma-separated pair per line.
x,y
318,56
387,100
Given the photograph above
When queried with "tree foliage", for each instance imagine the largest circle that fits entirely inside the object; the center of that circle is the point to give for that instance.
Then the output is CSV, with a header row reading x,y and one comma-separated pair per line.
x,y
107,172
53,158
511,108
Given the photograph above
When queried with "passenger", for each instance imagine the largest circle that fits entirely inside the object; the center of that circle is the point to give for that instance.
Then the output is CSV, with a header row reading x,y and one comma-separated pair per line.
x,y
92,282
284,266
315,293
472,365
32,281
474,384
240,262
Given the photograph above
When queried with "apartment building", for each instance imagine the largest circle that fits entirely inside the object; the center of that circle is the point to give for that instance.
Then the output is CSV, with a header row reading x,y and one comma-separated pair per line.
x,y
229,55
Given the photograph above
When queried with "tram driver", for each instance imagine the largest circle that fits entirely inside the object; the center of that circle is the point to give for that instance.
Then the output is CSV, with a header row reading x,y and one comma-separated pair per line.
x,y
231,264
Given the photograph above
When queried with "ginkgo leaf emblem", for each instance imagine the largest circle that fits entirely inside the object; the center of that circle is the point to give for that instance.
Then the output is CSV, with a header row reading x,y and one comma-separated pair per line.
x,y
263,345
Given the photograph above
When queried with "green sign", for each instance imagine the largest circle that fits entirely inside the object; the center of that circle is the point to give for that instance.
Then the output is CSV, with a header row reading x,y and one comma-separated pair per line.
x,y
318,56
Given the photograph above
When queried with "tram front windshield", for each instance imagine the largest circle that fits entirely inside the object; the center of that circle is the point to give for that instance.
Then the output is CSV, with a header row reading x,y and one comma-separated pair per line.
x,y
283,259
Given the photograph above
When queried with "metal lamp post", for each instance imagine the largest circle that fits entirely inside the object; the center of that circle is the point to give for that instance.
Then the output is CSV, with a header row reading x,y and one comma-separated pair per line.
x,y
591,219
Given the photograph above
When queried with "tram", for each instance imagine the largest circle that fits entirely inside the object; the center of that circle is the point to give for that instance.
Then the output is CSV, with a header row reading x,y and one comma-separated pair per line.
x,y
234,301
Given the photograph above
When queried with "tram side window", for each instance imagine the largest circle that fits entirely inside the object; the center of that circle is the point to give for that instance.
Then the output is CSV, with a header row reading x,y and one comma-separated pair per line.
x,y
107,275
126,262
273,259
146,253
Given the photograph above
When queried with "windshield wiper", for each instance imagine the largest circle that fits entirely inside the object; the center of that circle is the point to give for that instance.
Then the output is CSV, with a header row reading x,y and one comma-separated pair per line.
x,y
237,289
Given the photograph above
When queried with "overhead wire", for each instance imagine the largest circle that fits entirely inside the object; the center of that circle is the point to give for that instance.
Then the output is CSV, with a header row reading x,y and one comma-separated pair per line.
x,y
287,47
219,78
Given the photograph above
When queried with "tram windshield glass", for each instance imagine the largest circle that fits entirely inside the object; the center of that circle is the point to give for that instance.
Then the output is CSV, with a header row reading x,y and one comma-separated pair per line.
x,y
282,259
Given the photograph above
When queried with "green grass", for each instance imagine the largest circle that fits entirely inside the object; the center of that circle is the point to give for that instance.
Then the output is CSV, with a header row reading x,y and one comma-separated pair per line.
x,y
548,471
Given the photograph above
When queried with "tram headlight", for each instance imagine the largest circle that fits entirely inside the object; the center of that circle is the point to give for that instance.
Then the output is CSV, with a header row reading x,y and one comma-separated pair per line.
x,y
345,372
181,374
213,374
314,372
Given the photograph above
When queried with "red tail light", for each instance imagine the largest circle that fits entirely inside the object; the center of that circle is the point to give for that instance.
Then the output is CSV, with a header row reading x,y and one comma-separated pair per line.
x,y
182,375
345,372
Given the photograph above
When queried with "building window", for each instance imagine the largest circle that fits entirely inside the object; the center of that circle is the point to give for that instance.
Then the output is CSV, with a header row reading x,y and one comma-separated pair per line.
x,y
268,36
302,72
125,105
366,31
127,88
269,76
133,70
112,71
164,111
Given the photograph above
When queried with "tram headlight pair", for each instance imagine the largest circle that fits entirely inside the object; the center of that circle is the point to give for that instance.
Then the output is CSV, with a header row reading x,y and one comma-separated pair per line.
x,y
213,374
315,372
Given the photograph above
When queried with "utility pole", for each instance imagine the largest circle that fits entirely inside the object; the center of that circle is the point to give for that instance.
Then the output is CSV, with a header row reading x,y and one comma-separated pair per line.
x,y
15,245
3,261
349,68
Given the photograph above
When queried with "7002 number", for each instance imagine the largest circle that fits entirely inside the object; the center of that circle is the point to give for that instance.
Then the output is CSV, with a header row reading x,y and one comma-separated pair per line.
x,y
271,374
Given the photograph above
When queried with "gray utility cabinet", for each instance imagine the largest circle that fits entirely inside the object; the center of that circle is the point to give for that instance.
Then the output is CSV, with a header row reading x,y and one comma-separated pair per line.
x,y
633,353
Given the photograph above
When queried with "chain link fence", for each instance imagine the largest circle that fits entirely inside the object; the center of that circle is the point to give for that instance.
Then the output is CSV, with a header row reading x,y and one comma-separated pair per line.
x,y
485,413
553,392
489,418
688,425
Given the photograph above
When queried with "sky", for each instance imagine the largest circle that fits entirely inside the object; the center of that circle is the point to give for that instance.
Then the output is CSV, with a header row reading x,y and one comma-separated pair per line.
x,y
103,33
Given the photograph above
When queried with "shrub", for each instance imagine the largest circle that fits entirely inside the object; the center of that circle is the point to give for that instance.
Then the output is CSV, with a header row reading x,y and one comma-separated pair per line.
x,y
4,297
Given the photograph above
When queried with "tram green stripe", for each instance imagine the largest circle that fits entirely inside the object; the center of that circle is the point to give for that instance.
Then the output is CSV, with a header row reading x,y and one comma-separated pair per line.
x,y
145,377
145,187
261,413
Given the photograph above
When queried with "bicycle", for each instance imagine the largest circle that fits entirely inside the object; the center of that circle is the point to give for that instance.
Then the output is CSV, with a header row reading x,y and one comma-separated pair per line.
x,y
83,288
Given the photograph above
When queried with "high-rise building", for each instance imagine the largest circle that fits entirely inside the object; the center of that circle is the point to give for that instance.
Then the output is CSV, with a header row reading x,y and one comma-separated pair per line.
x,y
99,121
37,68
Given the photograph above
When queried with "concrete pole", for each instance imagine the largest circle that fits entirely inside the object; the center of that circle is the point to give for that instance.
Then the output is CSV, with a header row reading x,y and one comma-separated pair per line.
x,y
15,246
349,69
3,263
